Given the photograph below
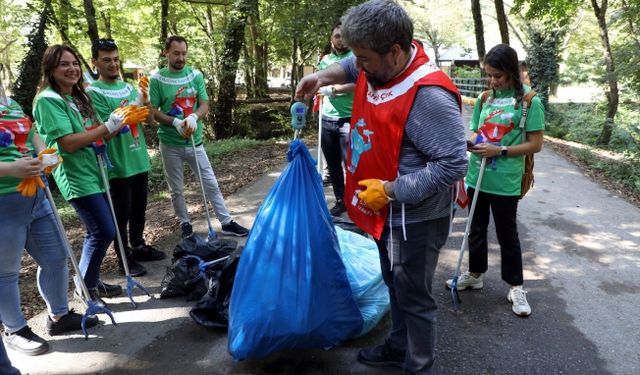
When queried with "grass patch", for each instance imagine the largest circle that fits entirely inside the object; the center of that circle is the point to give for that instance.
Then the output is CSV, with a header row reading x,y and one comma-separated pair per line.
x,y
618,162
157,185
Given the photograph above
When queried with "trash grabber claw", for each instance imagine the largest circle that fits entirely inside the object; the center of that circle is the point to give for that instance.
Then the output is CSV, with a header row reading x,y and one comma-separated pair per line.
x,y
202,266
212,233
130,283
92,308
455,297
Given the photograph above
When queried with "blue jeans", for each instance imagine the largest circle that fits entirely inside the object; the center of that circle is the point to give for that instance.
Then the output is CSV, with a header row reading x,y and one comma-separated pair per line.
x,y
5,363
413,307
29,223
95,214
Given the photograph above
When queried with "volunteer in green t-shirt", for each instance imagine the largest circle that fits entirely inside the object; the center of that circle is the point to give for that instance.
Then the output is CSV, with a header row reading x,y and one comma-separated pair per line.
x,y
27,222
180,100
66,120
128,179
337,101
497,137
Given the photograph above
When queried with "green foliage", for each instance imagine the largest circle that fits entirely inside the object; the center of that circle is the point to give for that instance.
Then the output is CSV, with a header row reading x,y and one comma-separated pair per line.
x,y
465,72
543,60
582,123
582,60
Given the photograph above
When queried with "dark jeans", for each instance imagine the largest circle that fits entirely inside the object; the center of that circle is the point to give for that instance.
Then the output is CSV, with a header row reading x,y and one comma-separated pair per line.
x,y
95,214
5,363
413,306
504,209
129,196
334,143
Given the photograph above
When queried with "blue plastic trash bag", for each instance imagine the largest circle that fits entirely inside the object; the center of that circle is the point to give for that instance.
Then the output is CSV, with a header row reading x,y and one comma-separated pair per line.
x,y
291,288
362,260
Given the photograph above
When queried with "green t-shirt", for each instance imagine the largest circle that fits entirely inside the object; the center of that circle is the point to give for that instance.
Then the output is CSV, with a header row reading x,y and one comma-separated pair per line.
x,y
78,175
502,175
128,154
177,94
16,134
340,106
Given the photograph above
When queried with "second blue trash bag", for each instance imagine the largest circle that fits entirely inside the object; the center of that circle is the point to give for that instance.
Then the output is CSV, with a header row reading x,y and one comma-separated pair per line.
x,y
291,288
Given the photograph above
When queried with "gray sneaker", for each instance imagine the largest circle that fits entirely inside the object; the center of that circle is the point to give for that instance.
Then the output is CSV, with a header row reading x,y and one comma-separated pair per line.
x,y
518,297
25,341
466,280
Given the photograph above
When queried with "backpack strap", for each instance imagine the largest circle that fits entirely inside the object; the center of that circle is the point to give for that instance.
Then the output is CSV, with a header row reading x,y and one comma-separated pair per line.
x,y
526,103
484,97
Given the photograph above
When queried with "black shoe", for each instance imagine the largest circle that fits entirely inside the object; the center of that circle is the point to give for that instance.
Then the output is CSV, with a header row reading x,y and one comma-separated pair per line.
x,y
382,356
145,253
93,296
338,208
326,181
135,269
25,341
70,322
187,230
108,290
234,229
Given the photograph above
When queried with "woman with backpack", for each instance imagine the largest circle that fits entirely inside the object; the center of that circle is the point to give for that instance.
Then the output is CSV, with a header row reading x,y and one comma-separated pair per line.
x,y
497,136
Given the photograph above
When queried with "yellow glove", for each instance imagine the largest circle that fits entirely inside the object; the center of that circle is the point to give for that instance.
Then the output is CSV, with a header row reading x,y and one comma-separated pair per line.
x,y
133,114
51,160
374,196
29,185
143,86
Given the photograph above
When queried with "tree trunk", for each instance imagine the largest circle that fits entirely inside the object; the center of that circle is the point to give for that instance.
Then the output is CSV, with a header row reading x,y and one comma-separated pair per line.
x,y
65,39
478,28
261,86
106,18
92,24
27,83
612,95
248,71
65,9
502,21
164,27
234,38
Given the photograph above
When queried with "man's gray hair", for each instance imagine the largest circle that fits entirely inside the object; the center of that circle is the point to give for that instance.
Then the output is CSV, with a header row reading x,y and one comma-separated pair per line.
x,y
377,25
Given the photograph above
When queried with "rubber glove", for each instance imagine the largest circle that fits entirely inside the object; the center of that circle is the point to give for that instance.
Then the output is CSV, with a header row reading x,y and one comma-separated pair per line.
x,y
328,91
29,186
192,122
49,159
374,196
182,128
115,121
143,90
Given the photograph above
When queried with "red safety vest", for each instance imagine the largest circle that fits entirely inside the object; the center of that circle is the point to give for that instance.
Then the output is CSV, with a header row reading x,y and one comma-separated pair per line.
x,y
377,124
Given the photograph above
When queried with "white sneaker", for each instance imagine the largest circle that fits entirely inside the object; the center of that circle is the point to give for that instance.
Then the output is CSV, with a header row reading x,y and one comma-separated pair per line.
x,y
518,297
466,280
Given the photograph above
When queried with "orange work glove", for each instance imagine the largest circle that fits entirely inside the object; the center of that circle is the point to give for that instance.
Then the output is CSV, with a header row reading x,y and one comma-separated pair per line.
x,y
374,196
29,185
49,159
143,88
133,114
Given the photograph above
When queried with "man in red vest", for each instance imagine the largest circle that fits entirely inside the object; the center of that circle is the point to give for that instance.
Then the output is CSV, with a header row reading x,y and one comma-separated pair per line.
x,y
407,148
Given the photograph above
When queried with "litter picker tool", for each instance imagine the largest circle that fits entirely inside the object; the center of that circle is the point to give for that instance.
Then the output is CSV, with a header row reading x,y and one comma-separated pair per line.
x,y
92,307
131,283
202,266
212,233
455,297
319,164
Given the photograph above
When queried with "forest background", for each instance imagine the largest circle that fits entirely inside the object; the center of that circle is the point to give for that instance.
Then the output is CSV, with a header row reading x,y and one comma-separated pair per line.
x,y
583,45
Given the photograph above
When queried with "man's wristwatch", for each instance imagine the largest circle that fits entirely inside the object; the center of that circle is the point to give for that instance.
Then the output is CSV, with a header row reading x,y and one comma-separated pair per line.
x,y
503,151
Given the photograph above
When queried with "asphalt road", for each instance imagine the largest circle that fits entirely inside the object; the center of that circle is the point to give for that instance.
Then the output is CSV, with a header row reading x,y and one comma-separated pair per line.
x,y
581,261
